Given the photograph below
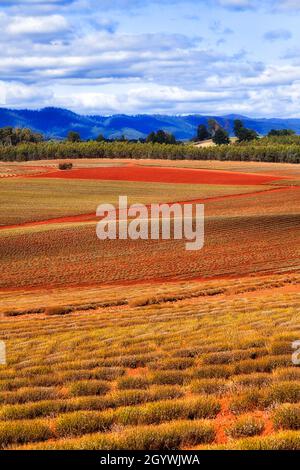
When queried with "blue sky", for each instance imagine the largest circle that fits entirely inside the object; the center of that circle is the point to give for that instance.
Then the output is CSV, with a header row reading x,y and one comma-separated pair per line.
x,y
150,56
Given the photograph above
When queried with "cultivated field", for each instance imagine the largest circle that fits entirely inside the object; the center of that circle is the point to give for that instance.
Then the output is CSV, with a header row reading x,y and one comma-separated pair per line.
x,y
141,344
210,367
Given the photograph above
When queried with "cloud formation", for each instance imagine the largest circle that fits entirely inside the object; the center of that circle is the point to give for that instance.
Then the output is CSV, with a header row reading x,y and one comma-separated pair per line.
x,y
98,57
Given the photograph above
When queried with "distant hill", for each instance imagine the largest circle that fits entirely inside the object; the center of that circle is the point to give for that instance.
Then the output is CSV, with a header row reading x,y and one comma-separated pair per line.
x,y
56,123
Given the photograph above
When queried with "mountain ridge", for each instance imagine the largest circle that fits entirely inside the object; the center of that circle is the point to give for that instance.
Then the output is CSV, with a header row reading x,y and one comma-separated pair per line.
x,y
57,122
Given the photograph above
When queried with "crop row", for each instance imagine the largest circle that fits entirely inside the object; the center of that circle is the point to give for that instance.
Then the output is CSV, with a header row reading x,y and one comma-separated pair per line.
x,y
269,151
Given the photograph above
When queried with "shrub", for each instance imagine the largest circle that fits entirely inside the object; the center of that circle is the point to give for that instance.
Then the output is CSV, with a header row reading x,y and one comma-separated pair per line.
x,y
10,385
172,364
57,311
126,383
35,410
35,371
83,422
257,380
65,166
247,401
289,374
262,364
168,436
204,407
21,432
187,352
222,357
169,378
286,392
165,392
287,440
128,397
25,395
105,373
91,387
151,413
214,371
287,417
155,413
281,347
209,386
245,427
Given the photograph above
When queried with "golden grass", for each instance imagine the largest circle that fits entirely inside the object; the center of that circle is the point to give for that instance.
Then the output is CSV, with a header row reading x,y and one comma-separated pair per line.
x,y
27,200
138,377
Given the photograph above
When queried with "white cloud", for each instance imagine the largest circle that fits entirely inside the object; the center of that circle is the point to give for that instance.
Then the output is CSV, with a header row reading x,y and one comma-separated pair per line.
x,y
38,25
17,94
81,58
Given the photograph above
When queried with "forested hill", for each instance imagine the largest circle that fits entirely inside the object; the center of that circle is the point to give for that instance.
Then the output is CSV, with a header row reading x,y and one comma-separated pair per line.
x,y
56,123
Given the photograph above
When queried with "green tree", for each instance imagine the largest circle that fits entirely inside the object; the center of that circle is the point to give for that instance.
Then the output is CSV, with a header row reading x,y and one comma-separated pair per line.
x,y
281,132
7,136
161,137
238,126
221,137
151,138
242,133
10,136
73,136
202,133
100,138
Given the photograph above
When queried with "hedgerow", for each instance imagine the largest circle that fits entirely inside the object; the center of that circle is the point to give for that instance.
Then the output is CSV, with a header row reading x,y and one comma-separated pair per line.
x,y
266,150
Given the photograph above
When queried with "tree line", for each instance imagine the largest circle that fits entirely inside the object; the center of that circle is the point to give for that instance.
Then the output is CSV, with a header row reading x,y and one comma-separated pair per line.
x,y
263,152
14,136
277,146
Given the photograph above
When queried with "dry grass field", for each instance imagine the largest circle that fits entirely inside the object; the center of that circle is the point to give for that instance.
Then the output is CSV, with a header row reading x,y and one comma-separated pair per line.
x,y
64,197
210,367
141,344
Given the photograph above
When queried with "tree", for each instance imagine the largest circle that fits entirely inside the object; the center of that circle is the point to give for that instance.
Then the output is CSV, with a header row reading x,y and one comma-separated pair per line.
x,y
242,133
27,135
202,133
213,127
100,138
7,136
281,132
238,126
13,136
151,138
161,137
65,165
221,137
73,136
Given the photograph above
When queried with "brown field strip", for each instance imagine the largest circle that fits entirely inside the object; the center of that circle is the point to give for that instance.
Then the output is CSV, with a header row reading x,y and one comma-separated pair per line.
x,y
61,255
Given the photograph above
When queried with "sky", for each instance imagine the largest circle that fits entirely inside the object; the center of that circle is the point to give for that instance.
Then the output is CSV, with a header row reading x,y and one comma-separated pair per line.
x,y
108,57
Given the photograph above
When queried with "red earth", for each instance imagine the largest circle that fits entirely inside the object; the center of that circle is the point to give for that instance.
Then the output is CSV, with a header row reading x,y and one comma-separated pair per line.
x,y
162,175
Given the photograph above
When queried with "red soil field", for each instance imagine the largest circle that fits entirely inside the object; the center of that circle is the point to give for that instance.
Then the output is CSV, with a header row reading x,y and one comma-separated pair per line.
x,y
163,175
